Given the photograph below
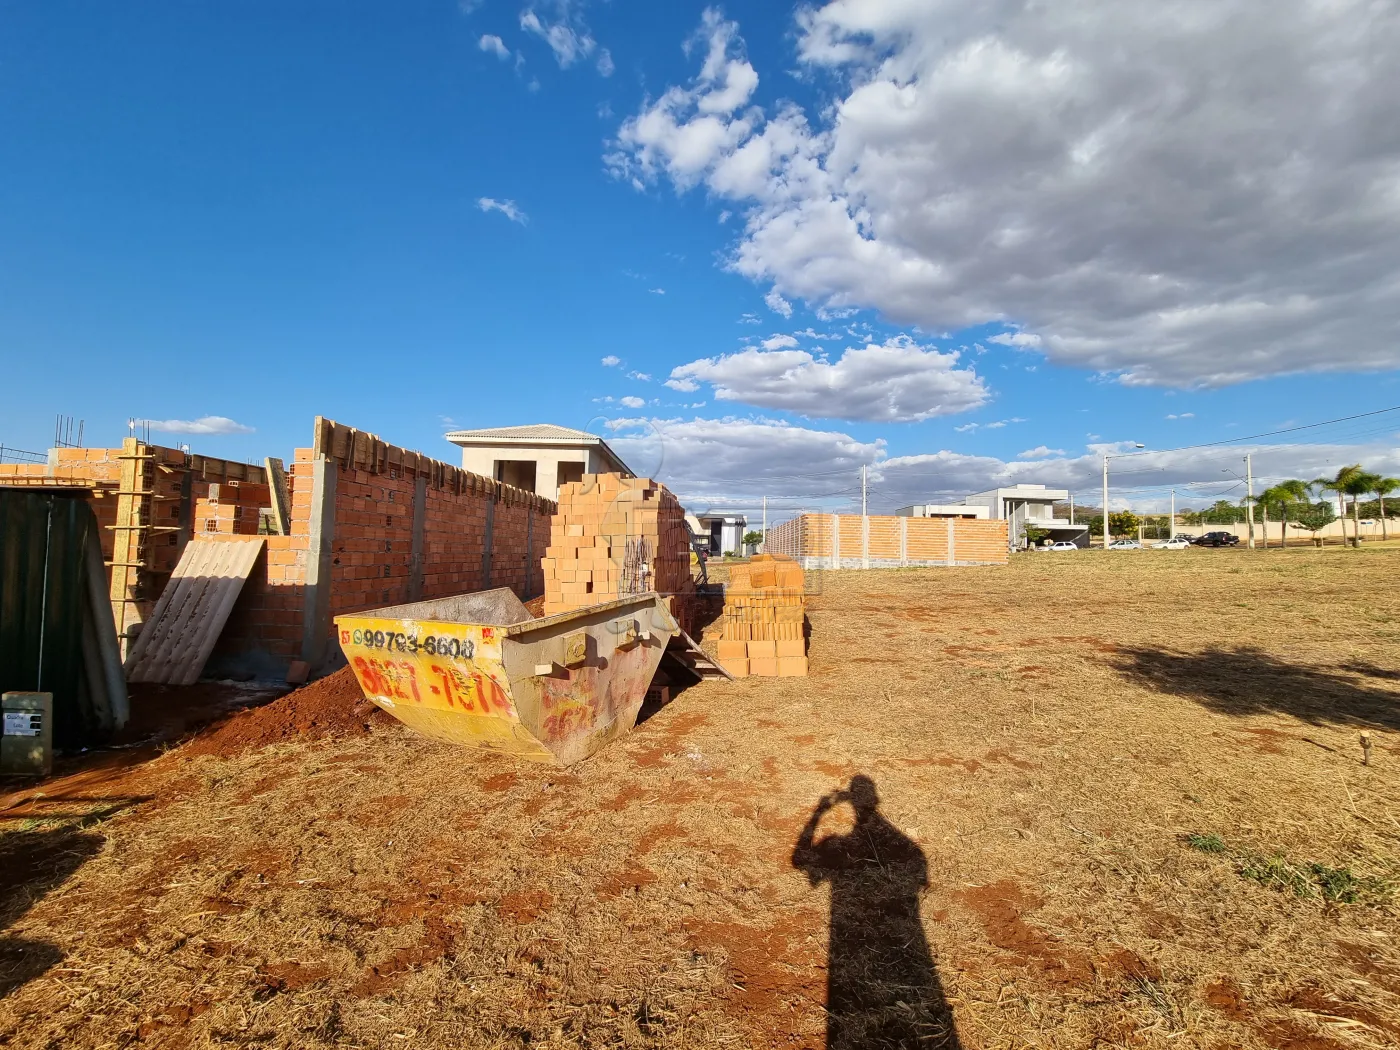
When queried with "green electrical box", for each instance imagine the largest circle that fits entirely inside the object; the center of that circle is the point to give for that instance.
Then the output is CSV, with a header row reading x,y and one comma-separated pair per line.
x,y
26,734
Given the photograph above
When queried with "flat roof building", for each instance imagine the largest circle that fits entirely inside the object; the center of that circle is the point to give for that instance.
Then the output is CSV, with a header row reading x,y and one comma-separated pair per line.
x,y
942,510
1026,505
538,458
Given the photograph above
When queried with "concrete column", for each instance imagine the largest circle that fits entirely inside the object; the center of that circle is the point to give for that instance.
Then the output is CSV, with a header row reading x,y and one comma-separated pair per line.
x,y
865,541
528,587
952,542
836,541
415,557
486,544
316,608
903,541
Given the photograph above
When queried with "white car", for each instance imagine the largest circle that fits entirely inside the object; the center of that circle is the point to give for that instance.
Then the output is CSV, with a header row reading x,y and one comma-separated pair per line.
x,y
1176,543
1125,545
1062,545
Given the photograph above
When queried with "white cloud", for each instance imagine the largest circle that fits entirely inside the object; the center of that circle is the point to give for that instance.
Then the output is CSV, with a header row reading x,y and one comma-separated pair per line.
x,y
686,131
684,385
749,319
563,29
611,361
1171,193
495,45
894,382
468,6
1019,340
1182,415
702,458
202,425
643,376
970,428
605,63
657,291
778,342
507,208
777,303
632,402
1040,452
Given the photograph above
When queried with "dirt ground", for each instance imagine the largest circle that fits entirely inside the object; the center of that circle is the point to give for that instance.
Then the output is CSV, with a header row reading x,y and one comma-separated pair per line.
x,y
1032,746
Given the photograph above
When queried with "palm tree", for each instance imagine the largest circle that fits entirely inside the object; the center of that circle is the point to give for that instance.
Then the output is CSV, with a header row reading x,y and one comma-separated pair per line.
x,y
1382,488
1357,485
1339,485
1282,496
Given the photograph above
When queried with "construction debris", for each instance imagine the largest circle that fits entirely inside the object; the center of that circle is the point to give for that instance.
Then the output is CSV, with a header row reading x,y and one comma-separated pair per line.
x,y
763,627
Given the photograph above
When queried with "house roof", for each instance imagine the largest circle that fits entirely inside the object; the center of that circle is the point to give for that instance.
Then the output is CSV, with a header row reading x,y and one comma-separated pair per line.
x,y
531,432
538,435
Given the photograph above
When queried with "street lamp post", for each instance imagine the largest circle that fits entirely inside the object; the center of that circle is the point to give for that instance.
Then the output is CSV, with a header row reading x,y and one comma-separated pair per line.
x,y
1106,458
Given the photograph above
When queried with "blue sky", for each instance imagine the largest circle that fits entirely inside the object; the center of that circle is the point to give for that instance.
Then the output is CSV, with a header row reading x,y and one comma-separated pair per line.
x,y
261,212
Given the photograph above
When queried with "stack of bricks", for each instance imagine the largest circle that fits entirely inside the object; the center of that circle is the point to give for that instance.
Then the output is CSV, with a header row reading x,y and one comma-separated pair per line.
x,y
764,619
615,536
231,508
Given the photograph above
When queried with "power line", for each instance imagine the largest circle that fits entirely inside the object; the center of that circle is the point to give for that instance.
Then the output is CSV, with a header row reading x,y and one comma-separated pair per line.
x,y
1270,433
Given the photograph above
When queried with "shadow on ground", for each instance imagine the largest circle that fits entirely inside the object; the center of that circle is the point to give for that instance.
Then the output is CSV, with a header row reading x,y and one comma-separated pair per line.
x,y
883,991
1249,681
31,864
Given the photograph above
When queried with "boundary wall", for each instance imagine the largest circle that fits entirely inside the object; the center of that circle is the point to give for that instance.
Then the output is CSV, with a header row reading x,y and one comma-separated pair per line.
x,y
853,541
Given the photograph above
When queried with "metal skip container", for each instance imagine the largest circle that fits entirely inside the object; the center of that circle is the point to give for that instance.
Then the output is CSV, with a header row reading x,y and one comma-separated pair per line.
x,y
478,669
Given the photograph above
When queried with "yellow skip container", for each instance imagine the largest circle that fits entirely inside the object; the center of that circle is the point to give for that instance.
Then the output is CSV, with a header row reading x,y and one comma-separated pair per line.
x,y
477,669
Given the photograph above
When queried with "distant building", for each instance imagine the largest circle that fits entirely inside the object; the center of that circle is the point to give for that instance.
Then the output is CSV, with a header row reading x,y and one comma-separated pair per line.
x,y
537,458
724,532
1032,506
942,510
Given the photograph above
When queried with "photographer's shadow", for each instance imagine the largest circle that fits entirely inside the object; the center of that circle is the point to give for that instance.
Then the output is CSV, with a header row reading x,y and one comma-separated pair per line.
x,y
882,987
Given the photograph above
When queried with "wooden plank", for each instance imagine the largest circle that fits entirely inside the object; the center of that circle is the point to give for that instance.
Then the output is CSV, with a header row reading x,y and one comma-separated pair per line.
x,y
281,500
192,611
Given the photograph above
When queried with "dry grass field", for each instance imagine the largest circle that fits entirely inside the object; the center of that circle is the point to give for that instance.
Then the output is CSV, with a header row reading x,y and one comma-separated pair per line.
x,y
1100,800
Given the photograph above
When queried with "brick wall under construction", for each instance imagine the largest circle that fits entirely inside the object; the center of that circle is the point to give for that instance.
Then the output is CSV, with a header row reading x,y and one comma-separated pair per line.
x,y
181,495
370,524
852,541
373,524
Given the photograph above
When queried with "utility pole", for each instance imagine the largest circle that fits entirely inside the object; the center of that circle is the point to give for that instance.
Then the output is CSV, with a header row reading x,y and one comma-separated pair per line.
x,y
765,520
1249,495
1071,508
1171,523
1105,503
862,491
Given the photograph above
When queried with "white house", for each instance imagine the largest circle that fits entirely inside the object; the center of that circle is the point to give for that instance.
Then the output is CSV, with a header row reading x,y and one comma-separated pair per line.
x,y
725,532
1029,505
538,458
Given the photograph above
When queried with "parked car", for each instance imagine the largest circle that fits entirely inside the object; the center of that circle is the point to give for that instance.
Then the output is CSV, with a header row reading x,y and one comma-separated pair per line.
x,y
1218,539
1125,545
1062,545
1176,543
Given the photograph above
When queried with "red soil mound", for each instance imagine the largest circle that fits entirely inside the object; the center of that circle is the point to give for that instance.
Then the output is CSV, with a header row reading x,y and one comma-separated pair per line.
x,y
332,706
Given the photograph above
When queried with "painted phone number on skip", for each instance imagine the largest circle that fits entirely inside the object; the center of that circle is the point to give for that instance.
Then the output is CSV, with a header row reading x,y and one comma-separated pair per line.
x,y
397,641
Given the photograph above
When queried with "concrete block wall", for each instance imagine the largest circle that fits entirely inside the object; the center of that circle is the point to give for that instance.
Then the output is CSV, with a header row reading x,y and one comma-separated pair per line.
x,y
850,541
